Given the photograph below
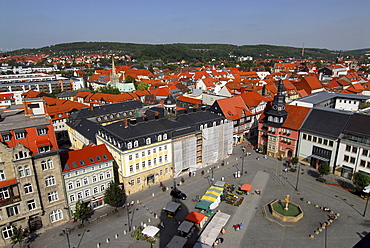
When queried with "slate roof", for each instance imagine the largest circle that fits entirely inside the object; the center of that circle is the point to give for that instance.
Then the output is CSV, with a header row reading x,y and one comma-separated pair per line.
x,y
86,128
326,122
358,125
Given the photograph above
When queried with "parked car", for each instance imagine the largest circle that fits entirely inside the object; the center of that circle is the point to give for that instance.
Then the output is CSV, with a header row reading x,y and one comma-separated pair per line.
x,y
178,194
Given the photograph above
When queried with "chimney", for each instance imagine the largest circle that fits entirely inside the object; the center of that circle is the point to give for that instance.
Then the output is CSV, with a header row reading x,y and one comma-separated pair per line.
x,y
126,123
91,107
145,118
156,115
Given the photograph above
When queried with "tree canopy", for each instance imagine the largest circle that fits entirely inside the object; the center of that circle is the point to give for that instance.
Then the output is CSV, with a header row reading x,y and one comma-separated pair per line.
x,y
361,180
114,195
324,169
19,234
81,211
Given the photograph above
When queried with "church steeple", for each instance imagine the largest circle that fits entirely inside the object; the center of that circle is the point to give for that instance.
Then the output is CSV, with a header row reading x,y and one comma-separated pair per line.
x,y
277,115
114,77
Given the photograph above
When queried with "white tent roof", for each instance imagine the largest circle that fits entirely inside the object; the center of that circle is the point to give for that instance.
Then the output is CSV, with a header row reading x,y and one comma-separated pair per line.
x,y
213,228
150,231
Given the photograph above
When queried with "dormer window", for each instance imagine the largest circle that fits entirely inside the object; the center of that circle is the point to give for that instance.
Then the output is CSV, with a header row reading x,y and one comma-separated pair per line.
x,y
136,143
164,136
159,138
148,141
129,145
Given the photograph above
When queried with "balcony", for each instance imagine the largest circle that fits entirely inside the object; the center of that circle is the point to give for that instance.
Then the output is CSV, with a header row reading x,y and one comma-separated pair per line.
x,y
10,200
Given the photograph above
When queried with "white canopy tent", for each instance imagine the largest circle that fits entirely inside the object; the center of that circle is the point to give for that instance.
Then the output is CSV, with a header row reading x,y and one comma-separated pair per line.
x,y
213,228
150,231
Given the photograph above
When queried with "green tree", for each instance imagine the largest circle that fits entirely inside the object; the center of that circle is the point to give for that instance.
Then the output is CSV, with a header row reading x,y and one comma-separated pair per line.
x,y
81,211
130,79
324,169
150,68
318,63
109,90
18,236
294,160
114,195
142,86
361,180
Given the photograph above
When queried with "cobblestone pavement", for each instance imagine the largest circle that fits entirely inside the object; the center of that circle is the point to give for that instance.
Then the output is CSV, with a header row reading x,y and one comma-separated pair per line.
x,y
106,229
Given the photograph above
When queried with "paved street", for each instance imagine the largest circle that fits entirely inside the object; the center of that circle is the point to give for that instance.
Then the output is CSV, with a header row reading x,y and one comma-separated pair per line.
x,y
258,231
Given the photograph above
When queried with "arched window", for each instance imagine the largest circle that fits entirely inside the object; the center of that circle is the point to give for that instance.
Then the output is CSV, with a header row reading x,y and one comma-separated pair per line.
x,y
70,185
159,137
20,171
129,145
107,174
28,188
56,215
276,120
270,118
43,165
27,170
281,119
50,181
86,181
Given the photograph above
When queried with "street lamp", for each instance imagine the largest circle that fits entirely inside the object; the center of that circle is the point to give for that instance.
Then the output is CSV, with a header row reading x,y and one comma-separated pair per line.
x,y
66,232
242,157
366,191
129,221
299,169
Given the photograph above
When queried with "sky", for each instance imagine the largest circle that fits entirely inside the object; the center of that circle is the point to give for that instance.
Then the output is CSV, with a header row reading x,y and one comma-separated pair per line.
x,y
331,24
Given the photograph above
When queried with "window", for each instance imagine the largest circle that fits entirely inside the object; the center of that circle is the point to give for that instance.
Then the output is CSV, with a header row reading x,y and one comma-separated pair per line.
x,y
31,205
94,178
92,160
148,152
70,185
161,172
149,162
79,195
160,159
108,174
136,155
2,175
20,171
93,168
27,188
43,165
27,170
354,149
129,145
20,135
136,143
87,193
165,147
154,150
13,210
142,154
132,182
6,137
129,157
148,141
314,139
101,176
4,194
331,143
41,131
138,180
165,157
348,148
72,198
159,137
50,181
82,162
362,163
53,196
86,181
164,136
325,142
102,188
7,232
56,215
43,149
155,161
166,170
143,164
78,183
160,149
95,190
304,136
131,168
346,158
98,158
319,141
353,160
137,166
310,137
365,152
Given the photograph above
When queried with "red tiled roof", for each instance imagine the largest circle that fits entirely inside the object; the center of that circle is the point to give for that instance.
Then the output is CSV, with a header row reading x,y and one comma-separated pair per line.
x,y
189,100
296,116
233,107
8,182
85,155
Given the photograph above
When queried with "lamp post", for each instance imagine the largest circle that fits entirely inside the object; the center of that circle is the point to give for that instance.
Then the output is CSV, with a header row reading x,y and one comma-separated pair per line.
x,y
66,232
366,191
299,169
242,157
129,220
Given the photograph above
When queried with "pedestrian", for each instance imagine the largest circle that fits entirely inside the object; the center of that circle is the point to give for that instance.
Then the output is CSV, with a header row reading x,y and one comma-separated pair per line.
x,y
193,173
190,174
221,240
222,178
241,226
258,157
162,223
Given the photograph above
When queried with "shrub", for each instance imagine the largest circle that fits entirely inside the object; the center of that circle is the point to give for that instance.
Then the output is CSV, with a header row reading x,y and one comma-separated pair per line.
x,y
322,180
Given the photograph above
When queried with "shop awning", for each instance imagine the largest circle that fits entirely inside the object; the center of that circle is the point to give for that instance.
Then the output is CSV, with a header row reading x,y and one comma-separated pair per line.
x,y
319,157
203,205
246,187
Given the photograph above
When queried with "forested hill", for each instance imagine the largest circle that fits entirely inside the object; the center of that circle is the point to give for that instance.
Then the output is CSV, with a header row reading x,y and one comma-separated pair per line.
x,y
188,52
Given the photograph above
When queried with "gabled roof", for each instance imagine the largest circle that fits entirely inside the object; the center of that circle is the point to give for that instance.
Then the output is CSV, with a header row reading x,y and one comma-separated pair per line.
x,y
189,100
356,125
233,107
84,157
252,99
296,116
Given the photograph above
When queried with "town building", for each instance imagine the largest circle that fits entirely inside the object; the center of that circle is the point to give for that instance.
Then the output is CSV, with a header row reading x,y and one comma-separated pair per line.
x,y
86,173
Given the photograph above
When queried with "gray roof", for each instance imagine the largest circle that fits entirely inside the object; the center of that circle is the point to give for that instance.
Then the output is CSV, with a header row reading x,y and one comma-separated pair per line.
x,y
68,93
359,125
86,128
16,120
324,96
326,122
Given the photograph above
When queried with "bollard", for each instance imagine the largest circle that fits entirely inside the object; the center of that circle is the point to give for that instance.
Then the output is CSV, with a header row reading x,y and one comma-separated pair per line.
x,y
316,232
167,188
319,229
116,236
124,232
107,240
155,216
152,194
144,225
149,220
138,201
97,245
312,236
141,223
133,227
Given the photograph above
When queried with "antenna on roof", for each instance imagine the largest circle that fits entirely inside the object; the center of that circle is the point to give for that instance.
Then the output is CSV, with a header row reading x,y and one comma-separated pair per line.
x,y
302,49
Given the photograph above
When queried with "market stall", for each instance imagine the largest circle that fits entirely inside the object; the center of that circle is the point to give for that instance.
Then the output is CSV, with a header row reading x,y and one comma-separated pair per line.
x,y
213,228
186,228
177,242
150,231
172,208
213,195
197,218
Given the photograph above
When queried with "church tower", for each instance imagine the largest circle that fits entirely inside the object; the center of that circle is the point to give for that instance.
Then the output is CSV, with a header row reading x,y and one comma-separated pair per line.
x,y
114,77
170,105
277,115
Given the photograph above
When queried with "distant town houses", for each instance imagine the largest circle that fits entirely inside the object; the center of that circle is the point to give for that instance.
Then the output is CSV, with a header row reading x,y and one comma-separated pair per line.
x,y
61,142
